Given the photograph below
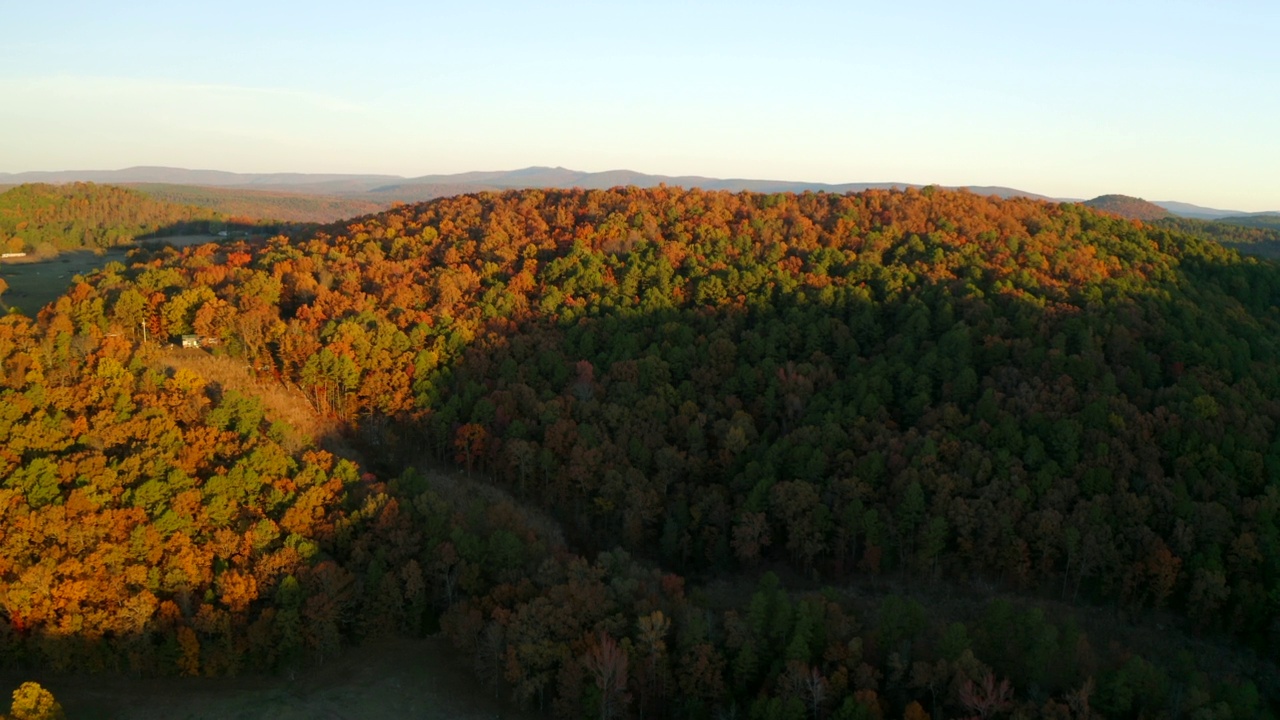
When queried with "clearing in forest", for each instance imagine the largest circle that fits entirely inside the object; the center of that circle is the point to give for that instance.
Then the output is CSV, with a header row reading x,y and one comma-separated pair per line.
x,y
390,679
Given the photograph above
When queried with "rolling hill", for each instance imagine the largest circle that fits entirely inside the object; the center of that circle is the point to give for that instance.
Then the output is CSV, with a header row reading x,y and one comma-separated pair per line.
x,y
382,190
1265,221
986,444
259,205
1128,207
85,215
1187,210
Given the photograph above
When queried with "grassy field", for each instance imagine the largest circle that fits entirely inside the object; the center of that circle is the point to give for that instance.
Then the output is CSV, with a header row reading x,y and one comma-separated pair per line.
x,y
35,282
389,679
286,404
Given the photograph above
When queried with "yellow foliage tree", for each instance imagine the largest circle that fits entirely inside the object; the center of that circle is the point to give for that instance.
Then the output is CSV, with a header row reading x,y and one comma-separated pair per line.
x,y
33,702
915,711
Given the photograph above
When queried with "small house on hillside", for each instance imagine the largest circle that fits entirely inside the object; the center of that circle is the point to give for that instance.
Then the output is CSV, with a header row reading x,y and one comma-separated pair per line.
x,y
190,341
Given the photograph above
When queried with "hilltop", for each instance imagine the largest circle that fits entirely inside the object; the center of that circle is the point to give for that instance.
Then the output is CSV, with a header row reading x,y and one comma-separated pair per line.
x,y
84,215
1128,207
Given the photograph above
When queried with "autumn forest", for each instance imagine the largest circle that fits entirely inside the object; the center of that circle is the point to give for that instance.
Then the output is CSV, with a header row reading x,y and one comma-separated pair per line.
x,y
890,454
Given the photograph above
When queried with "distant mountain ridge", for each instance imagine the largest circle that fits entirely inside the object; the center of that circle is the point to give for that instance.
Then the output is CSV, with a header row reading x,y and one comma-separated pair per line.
x,y
398,188
1197,212
211,178
265,203
386,189
1187,210
532,177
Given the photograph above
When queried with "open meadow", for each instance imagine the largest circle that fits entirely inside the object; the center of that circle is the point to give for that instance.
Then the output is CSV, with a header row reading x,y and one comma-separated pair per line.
x,y
35,281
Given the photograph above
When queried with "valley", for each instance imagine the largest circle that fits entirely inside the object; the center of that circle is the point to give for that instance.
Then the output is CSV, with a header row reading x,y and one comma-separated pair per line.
x,y
37,280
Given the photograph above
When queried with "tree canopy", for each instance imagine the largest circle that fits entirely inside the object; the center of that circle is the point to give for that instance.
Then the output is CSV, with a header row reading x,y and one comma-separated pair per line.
x,y
929,388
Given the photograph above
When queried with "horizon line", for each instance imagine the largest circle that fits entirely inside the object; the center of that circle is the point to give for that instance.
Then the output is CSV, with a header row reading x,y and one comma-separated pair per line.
x,y
660,176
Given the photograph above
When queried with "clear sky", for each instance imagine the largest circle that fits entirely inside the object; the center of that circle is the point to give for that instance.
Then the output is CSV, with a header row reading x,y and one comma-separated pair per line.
x,y
1166,100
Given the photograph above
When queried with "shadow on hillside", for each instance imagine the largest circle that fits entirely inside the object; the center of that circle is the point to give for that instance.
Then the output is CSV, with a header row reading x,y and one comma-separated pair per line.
x,y
897,363
381,680
984,440
1265,250
947,445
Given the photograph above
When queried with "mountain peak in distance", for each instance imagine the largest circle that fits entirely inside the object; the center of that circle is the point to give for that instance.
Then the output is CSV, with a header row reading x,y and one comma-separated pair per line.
x,y
1128,207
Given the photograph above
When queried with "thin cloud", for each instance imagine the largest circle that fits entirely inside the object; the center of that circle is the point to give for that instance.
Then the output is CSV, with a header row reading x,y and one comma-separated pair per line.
x,y
89,86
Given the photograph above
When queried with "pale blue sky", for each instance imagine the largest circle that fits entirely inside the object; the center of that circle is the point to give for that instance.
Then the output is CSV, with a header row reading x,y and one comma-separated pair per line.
x,y
1169,100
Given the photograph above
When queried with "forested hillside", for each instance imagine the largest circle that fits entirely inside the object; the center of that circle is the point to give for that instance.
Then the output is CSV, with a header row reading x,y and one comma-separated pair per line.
x,y
1258,239
84,215
241,203
1269,221
1013,407
1128,207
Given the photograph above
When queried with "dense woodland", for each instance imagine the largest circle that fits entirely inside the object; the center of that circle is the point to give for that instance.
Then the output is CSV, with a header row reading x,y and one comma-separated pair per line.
x,y
893,454
1128,207
1253,235
50,218
1267,220
1257,235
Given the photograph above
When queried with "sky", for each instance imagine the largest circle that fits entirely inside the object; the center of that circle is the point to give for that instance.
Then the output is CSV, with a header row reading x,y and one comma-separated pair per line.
x,y
1167,100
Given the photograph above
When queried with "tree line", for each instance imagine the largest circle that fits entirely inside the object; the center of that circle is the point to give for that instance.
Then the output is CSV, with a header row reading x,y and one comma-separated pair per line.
x,y
38,216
